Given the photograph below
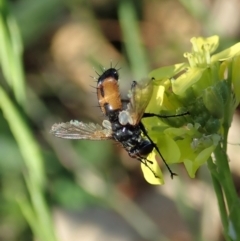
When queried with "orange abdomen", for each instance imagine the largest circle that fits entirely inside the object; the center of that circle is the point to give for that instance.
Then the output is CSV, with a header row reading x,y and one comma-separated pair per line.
x,y
108,95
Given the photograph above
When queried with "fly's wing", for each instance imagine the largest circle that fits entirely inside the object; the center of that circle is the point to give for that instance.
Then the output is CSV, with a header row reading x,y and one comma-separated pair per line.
x,y
80,130
140,96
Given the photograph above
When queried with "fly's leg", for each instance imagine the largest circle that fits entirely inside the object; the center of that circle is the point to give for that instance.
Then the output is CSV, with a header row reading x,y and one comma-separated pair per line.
x,y
145,162
146,115
155,146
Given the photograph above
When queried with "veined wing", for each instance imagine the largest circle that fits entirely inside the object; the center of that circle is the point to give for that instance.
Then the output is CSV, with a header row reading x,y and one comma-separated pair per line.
x,y
140,96
81,130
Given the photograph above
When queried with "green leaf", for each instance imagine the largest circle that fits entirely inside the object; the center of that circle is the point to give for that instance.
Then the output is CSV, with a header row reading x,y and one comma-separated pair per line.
x,y
133,39
169,149
193,165
24,138
11,54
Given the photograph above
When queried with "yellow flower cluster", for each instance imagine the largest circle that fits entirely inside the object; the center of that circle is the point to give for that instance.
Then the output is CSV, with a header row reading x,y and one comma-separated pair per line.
x,y
208,87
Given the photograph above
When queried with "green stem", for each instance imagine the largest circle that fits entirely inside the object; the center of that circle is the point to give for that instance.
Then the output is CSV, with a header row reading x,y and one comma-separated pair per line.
x,y
132,38
36,211
228,188
220,197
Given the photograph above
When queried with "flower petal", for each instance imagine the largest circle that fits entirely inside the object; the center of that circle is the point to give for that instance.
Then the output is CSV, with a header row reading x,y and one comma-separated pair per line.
x,y
199,42
227,53
156,99
148,175
186,80
167,72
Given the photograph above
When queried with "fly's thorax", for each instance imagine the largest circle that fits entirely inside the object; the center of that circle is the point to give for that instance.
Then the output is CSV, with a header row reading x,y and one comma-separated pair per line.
x,y
126,132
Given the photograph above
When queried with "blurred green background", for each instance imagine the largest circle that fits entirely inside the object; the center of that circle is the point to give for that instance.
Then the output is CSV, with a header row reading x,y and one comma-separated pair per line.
x,y
53,189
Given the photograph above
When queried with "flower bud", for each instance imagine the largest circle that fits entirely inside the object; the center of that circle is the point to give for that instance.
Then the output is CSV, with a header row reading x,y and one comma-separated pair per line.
x,y
213,101
213,125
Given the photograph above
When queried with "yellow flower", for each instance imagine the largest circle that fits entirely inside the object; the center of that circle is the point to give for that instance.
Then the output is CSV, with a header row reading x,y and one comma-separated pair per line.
x,y
208,87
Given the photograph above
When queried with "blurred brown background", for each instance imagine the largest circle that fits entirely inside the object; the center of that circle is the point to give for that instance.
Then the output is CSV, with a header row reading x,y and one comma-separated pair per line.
x,y
95,191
